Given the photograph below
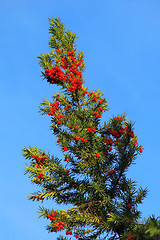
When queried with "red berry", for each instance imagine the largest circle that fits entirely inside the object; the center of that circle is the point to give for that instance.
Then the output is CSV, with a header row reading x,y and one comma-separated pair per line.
x,y
110,149
97,155
135,143
130,237
65,148
141,150
76,127
111,172
67,171
77,236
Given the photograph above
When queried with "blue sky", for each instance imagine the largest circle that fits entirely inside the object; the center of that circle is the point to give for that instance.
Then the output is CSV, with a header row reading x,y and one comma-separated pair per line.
x,y
122,54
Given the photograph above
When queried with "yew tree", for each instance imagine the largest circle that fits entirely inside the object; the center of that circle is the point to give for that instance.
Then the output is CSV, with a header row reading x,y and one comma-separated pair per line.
x,y
91,175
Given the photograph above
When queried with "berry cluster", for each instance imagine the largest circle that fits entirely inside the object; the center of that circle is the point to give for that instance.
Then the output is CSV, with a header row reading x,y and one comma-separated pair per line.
x,y
84,91
53,108
55,75
97,115
58,51
66,107
131,134
91,129
59,225
118,118
58,117
109,143
82,139
36,196
116,133
94,97
76,127
52,216
41,176
74,77
39,163
70,233
39,160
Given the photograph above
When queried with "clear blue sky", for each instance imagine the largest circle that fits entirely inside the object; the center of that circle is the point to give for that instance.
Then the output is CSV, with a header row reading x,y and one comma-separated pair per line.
x,y
121,41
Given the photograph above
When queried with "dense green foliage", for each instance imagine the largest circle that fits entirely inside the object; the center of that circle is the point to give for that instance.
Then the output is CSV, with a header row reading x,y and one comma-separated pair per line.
x,y
91,176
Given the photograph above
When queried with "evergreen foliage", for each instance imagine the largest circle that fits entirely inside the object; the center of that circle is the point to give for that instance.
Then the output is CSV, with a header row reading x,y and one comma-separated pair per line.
x,y
91,176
